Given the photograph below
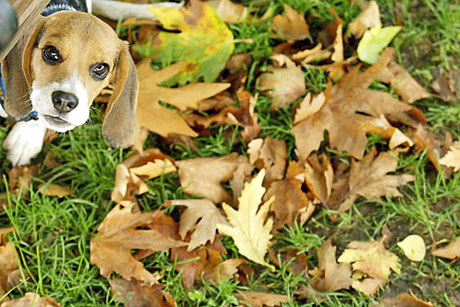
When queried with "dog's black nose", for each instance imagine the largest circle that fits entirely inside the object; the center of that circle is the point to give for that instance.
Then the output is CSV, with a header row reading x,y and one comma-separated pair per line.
x,y
64,102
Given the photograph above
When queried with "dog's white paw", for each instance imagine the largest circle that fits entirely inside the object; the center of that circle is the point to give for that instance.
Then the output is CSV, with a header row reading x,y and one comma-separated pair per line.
x,y
24,141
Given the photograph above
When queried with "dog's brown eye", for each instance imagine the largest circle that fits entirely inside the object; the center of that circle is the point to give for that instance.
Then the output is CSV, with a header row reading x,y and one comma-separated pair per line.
x,y
99,71
51,55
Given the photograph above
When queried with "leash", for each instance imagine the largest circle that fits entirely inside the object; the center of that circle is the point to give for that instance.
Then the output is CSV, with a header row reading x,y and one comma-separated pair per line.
x,y
31,116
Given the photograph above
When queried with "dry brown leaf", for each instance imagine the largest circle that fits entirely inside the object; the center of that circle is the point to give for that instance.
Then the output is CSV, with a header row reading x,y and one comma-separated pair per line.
x,y
342,114
319,177
368,18
223,271
406,300
270,154
402,82
312,55
52,189
229,11
289,197
202,216
256,299
382,127
371,258
291,26
240,176
297,261
133,293
337,55
330,275
126,183
203,176
283,84
368,286
118,234
154,169
8,261
445,87
31,299
159,119
452,158
450,251
309,106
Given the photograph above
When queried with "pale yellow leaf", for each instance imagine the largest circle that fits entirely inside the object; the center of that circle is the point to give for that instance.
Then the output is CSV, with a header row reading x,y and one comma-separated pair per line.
x,y
309,106
154,169
413,247
368,18
249,228
452,158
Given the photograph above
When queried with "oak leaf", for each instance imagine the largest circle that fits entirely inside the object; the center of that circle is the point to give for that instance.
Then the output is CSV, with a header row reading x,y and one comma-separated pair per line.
x,y
283,84
203,41
249,228
118,234
133,293
450,251
164,121
203,176
291,26
202,216
343,112
255,299
31,299
331,276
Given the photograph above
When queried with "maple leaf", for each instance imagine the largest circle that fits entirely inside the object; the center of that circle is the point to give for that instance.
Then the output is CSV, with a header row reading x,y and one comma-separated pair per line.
x,y
255,299
332,276
203,176
450,251
288,196
452,158
133,293
204,41
164,121
118,234
31,299
249,229
368,18
291,26
342,113
283,84
371,258
202,216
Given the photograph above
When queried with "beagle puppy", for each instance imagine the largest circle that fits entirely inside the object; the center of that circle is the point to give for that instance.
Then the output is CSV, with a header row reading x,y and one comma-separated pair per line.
x,y
55,74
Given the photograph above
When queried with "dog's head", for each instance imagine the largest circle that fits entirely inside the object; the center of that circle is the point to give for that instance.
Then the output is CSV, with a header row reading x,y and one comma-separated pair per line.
x,y
66,62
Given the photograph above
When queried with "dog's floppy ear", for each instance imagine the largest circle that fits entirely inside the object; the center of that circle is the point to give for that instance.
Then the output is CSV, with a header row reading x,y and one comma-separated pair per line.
x,y
17,73
119,127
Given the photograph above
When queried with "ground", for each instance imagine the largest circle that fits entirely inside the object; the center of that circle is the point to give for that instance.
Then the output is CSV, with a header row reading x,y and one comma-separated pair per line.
x,y
52,235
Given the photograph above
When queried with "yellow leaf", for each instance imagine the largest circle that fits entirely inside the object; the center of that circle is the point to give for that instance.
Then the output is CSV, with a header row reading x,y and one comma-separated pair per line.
x,y
413,247
154,169
249,229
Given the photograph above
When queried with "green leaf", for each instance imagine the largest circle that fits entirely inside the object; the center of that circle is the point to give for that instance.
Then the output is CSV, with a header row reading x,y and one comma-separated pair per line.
x,y
204,42
374,41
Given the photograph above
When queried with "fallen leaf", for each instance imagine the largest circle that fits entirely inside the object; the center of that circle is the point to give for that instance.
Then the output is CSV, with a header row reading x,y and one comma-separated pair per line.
x,y
374,41
382,127
154,169
229,11
368,286
31,299
202,39
413,247
126,183
202,216
337,55
368,18
342,115
270,154
450,251
288,196
319,177
217,170
452,158
164,121
312,55
406,300
8,261
256,299
330,275
371,258
283,84
250,230
223,271
291,26
133,293
117,234
52,189
309,106
445,87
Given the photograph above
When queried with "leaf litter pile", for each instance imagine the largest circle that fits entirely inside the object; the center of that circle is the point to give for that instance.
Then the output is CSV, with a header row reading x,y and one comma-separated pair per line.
x,y
238,204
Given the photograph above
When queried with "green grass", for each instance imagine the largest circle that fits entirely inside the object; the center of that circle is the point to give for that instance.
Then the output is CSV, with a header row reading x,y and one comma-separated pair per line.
x,y
52,235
